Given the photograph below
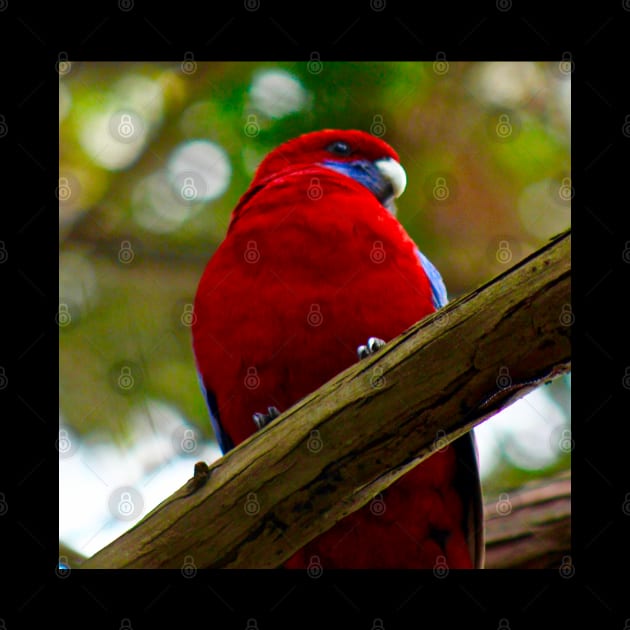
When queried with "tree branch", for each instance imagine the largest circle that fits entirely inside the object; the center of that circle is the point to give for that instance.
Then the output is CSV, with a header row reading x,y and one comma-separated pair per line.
x,y
373,422
530,529
527,529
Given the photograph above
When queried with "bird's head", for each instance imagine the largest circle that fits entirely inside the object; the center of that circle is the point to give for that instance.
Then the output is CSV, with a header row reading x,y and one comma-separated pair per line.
x,y
356,154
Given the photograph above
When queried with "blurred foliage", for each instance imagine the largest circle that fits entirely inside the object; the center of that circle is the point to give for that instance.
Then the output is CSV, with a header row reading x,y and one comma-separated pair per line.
x,y
486,147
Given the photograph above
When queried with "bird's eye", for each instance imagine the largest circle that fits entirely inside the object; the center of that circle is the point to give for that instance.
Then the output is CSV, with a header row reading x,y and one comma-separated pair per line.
x,y
339,148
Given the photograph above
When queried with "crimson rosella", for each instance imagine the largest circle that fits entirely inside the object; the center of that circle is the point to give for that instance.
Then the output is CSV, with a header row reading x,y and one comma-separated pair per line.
x,y
314,264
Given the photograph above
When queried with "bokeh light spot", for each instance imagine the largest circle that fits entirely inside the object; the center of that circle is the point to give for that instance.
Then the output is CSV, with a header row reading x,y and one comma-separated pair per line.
x,y
156,207
506,83
199,170
277,93
115,130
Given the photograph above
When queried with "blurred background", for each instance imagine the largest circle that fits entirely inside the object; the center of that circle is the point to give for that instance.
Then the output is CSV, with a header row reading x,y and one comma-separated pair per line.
x,y
153,158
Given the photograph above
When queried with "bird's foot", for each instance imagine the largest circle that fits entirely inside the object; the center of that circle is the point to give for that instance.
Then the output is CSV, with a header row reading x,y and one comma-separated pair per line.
x,y
374,344
261,420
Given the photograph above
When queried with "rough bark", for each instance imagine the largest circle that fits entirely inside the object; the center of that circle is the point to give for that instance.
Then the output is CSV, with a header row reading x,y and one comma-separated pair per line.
x,y
530,528
336,449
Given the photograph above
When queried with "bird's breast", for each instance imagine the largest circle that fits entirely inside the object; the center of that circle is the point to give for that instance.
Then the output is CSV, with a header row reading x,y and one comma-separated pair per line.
x,y
295,288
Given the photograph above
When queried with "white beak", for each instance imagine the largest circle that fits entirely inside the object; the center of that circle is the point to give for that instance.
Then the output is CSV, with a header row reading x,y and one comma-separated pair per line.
x,y
394,172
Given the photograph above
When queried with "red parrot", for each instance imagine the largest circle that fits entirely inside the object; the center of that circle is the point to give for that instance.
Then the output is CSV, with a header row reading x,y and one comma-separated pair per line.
x,y
315,263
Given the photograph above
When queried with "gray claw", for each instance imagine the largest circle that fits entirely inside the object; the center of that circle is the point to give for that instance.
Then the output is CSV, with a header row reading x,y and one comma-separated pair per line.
x,y
261,420
374,344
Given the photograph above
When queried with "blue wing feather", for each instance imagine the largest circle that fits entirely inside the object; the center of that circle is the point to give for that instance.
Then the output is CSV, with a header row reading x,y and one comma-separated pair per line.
x,y
438,289
224,440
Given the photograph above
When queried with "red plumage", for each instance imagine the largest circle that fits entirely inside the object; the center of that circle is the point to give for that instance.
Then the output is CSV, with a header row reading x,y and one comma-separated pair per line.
x,y
312,266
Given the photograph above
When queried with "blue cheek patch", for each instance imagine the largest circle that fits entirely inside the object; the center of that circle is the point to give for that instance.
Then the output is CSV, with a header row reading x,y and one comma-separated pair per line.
x,y
364,172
